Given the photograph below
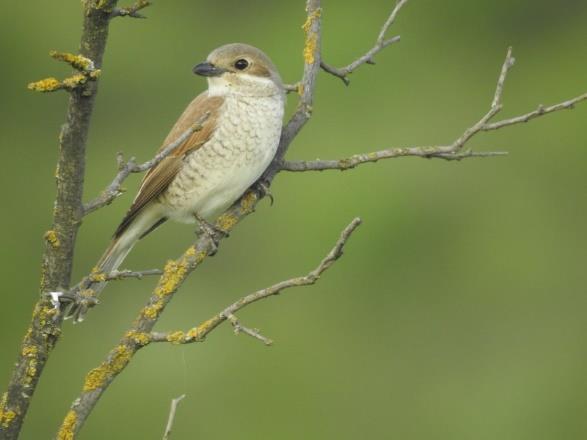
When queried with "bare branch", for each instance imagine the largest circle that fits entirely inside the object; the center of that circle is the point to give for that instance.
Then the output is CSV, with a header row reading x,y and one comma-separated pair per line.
x,y
540,111
114,190
131,11
125,274
45,328
380,44
254,333
375,156
197,334
174,404
453,151
505,68
312,58
293,88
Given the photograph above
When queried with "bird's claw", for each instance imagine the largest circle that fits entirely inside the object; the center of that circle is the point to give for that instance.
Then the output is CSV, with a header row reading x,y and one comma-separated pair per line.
x,y
262,187
74,304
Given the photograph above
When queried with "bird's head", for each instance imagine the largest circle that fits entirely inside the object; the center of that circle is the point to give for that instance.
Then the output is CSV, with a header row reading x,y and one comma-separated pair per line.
x,y
241,69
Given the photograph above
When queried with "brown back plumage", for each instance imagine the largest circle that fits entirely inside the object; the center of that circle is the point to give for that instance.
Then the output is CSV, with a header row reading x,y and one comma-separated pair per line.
x,y
160,176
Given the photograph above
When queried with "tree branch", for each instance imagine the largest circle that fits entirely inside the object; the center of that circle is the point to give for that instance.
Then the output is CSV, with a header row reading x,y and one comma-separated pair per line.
x,y
131,11
380,44
198,333
306,87
454,151
540,111
85,66
140,335
125,274
114,190
171,418
44,331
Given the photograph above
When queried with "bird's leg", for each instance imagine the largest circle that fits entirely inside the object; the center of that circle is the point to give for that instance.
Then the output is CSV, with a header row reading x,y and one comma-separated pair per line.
x,y
73,303
212,232
262,187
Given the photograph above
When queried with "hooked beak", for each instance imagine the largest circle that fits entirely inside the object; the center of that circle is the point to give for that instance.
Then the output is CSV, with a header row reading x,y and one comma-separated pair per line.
x,y
208,69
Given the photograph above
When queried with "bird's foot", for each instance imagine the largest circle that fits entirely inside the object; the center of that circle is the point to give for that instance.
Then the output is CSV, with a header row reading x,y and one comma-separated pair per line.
x,y
212,232
73,304
262,187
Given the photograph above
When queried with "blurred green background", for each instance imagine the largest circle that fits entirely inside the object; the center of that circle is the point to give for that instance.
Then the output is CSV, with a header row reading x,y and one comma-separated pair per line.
x,y
458,310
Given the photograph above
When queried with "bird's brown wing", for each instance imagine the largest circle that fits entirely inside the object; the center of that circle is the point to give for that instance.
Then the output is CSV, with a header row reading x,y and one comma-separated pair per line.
x,y
160,176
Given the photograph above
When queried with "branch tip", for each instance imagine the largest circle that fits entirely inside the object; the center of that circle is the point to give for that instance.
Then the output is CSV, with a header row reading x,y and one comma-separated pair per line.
x,y
85,67
171,417
380,44
131,11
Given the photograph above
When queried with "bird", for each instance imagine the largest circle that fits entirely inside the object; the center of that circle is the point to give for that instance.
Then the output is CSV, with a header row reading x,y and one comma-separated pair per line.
x,y
210,170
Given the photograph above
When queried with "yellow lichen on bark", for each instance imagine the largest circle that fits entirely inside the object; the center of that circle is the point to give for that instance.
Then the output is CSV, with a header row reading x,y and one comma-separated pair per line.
x,y
66,432
174,273
77,61
95,74
152,311
52,238
44,313
226,221
75,81
6,416
45,85
97,275
176,337
139,338
30,352
248,201
97,377
311,38
198,332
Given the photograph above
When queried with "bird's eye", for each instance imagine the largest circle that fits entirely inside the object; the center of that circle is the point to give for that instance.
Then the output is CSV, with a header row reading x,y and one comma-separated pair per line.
x,y
241,64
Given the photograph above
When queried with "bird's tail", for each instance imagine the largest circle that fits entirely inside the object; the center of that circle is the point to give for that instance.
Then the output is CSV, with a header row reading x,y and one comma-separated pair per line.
x,y
114,256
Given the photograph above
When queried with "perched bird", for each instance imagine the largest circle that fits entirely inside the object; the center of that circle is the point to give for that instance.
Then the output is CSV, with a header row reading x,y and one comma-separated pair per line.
x,y
216,165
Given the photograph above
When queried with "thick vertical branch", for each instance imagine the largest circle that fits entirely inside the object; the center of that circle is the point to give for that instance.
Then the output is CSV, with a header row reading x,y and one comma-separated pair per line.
x,y
312,60
44,329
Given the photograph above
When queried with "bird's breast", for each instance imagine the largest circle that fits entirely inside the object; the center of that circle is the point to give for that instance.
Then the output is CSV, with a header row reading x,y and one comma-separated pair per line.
x,y
242,146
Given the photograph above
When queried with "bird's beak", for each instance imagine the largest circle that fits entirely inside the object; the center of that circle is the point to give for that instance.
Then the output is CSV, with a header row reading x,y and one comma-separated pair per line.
x,y
208,69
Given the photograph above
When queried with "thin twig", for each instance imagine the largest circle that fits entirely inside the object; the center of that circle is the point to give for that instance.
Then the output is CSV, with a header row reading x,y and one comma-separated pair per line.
x,y
174,404
454,151
198,333
131,11
114,190
254,333
355,160
380,44
293,88
124,274
540,111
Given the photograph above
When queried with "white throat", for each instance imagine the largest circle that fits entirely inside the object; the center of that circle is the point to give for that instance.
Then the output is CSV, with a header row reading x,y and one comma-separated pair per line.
x,y
243,85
